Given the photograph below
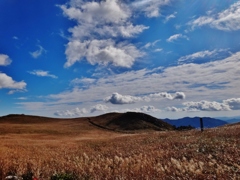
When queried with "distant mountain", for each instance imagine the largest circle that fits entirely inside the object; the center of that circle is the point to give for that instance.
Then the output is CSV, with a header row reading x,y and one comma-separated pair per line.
x,y
228,118
231,121
195,122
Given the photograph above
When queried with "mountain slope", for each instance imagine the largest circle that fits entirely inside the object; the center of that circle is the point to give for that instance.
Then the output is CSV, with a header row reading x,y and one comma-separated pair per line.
x,y
195,122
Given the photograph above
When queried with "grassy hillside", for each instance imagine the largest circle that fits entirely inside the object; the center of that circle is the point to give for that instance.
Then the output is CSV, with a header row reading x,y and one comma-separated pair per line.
x,y
77,149
118,122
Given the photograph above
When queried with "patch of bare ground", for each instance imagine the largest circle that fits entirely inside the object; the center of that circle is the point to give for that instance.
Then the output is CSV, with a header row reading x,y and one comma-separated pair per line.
x,y
75,146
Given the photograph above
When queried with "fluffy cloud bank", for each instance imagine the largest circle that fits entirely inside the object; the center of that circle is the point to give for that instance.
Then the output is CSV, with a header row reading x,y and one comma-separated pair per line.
x,y
81,112
98,26
233,103
73,112
206,106
117,98
226,105
103,109
227,20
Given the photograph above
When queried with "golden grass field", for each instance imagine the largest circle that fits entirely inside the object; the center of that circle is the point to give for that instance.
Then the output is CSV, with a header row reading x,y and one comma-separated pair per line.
x,y
45,146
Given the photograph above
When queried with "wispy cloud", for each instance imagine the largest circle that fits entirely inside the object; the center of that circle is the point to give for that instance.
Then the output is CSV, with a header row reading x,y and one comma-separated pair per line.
x,y
36,54
203,105
176,37
15,37
83,81
151,8
227,20
202,78
22,98
158,50
42,73
212,81
200,54
151,44
171,16
5,60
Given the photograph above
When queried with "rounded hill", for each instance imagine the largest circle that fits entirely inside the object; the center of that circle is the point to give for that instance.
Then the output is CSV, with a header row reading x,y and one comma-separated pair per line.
x,y
129,121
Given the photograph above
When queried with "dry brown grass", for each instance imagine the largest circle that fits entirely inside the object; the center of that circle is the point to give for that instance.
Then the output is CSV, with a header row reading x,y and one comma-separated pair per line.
x,y
70,146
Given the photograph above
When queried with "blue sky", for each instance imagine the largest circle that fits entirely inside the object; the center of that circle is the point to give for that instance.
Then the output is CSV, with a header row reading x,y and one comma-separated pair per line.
x,y
167,58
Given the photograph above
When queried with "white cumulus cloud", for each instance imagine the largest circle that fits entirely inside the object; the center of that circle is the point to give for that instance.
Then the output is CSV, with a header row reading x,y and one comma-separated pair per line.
x,y
102,52
7,82
4,60
98,26
177,95
117,98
